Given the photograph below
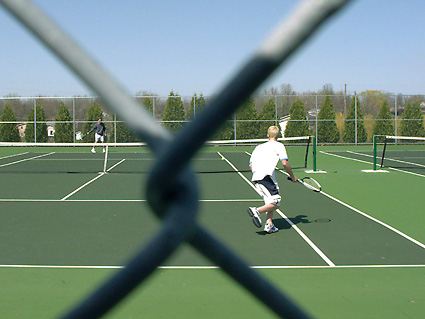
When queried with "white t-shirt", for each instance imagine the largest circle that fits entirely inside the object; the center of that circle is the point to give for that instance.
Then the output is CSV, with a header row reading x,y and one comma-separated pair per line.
x,y
264,159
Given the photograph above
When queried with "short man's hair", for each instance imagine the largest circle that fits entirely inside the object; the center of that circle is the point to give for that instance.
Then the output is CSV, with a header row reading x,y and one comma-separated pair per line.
x,y
273,132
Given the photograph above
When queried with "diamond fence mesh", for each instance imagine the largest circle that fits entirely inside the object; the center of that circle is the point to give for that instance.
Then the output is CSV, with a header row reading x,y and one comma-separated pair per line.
x,y
176,202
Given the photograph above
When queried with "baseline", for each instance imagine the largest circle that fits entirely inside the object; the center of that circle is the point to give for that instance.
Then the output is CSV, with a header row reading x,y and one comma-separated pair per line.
x,y
212,267
115,200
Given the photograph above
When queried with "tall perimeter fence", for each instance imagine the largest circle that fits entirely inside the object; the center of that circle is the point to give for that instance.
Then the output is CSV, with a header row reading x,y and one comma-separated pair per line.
x,y
269,110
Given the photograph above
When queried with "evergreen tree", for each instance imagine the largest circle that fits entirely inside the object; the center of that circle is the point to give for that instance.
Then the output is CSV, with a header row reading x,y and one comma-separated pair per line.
x,y
412,123
8,131
226,131
196,105
245,127
93,114
349,133
327,130
173,112
267,117
384,124
120,129
147,99
148,103
124,135
41,129
63,131
298,125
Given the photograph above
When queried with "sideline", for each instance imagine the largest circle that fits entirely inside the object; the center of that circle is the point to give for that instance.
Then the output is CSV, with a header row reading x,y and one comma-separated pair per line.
x,y
295,227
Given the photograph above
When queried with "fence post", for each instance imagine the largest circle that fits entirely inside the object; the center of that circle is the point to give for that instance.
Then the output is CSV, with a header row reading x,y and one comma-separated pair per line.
x,y
275,110
234,125
314,154
395,116
115,127
316,119
194,106
374,152
355,118
35,121
73,119
153,108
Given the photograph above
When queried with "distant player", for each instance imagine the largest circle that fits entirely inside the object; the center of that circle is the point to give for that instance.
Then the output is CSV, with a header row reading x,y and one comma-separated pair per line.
x,y
262,164
99,134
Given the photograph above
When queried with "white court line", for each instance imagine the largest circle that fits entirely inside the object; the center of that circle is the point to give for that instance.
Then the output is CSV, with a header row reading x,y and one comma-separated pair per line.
x,y
349,158
357,160
113,166
26,159
376,220
116,200
82,186
308,240
356,153
212,267
215,267
394,160
14,155
405,162
366,215
91,181
295,227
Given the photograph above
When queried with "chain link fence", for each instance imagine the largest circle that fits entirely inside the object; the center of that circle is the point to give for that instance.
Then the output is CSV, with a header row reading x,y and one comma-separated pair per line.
x,y
238,126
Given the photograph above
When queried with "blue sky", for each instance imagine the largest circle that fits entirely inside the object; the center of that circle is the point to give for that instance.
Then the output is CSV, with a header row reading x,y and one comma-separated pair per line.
x,y
194,46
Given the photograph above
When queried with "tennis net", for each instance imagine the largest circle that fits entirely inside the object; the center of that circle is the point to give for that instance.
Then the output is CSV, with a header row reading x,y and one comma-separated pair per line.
x,y
72,158
403,152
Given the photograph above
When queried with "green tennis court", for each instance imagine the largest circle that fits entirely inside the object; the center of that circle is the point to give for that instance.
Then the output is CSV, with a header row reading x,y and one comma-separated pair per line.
x,y
356,250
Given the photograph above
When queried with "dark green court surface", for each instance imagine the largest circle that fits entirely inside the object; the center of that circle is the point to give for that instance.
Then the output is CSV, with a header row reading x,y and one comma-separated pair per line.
x,y
332,251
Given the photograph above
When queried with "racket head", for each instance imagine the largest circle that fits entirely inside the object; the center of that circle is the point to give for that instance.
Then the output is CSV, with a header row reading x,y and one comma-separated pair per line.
x,y
311,183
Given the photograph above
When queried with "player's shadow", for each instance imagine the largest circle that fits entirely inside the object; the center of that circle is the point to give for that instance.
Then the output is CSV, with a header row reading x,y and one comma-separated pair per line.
x,y
283,224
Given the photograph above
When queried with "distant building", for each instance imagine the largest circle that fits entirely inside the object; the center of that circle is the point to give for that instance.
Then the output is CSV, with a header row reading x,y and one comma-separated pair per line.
x,y
21,129
50,131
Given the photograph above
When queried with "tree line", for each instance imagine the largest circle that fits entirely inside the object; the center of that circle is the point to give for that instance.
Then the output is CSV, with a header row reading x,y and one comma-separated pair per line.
x,y
246,123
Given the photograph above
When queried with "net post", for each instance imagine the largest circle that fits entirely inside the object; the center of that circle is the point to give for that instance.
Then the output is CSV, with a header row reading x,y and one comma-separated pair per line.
x,y
306,152
374,152
105,163
383,151
314,154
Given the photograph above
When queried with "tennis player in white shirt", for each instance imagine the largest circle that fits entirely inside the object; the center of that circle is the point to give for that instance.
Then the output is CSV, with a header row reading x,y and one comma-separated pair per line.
x,y
263,163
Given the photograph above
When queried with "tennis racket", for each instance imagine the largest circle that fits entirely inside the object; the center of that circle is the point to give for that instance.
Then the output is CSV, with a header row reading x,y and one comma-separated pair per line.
x,y
310,183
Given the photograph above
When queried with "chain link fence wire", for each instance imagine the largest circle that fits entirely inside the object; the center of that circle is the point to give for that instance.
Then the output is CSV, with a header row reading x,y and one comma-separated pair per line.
x,y
173,191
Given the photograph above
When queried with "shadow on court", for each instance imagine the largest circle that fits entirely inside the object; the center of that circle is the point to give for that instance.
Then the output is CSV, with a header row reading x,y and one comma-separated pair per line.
x,y
283,224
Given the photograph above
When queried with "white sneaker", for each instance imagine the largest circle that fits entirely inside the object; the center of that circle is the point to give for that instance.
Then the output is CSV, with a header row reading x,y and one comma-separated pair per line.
x,y
104,150
93,150
270,229
252,211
